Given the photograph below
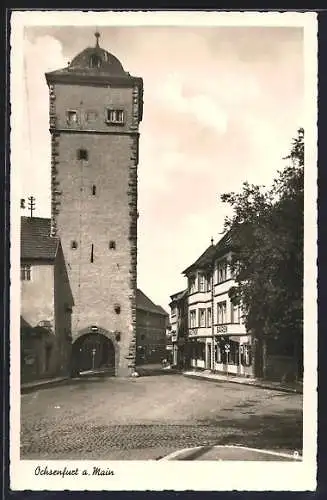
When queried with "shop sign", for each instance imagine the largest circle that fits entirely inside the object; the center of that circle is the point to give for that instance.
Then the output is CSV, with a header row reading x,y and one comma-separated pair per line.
x,y
222,329
193,332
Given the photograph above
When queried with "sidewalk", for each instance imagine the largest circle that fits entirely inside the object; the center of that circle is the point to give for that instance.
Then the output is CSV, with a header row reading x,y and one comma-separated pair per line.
x,y
295,387
35,384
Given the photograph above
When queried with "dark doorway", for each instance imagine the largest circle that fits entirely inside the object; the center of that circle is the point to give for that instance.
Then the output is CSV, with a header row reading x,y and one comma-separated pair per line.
x,y
93,351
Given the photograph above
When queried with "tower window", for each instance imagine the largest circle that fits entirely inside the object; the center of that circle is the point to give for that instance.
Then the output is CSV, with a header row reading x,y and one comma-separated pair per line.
x,y
71,117
115,116
94,190
25,272
82,154
91,116
95,61
92,254
112,245
73,245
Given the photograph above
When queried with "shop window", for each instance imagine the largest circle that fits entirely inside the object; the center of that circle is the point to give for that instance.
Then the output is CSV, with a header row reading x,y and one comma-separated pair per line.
x,y
201,351
82,154
218,354
115,116
25,272
246,357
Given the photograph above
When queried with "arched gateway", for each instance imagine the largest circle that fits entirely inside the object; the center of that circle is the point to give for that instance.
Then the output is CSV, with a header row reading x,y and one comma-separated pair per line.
x,y
95,348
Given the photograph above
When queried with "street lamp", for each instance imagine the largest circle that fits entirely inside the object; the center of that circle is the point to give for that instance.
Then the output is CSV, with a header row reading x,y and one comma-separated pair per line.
x,y
93,356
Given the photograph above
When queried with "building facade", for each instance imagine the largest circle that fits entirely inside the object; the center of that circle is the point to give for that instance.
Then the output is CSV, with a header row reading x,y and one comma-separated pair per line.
x,y
151,324
179,328
95,111
216,337
46,303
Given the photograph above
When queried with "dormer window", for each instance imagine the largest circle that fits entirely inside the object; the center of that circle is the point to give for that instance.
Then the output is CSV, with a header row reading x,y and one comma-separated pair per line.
x,y
115,116
95,61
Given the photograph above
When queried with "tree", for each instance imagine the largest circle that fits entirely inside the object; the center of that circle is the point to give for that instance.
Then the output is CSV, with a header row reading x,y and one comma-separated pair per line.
x,y
267,235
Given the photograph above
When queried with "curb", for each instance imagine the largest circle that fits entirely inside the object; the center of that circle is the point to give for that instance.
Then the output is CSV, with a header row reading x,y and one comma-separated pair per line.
x,y
253,384
43,385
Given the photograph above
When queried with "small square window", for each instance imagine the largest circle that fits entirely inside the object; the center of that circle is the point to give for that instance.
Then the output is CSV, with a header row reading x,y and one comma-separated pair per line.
x,y
82,154
115,116
112,245
71,117
73,245
25,272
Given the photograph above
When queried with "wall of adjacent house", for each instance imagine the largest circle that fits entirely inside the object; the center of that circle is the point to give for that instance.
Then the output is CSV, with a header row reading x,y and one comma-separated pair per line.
x,y
38,355
37,294
39,350
63,314
151,336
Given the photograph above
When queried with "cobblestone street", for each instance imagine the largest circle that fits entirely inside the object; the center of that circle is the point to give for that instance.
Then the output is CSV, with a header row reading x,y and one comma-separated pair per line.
x,y
148,417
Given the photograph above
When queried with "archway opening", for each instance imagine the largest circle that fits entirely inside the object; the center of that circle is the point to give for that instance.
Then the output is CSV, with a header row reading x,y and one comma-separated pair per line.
x,y
93,352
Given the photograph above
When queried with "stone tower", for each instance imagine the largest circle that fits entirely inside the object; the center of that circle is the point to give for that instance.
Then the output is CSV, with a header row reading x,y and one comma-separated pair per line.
x,y
95,111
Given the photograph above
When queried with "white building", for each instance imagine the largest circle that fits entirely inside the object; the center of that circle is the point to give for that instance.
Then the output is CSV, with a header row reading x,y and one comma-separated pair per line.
x,y
217,336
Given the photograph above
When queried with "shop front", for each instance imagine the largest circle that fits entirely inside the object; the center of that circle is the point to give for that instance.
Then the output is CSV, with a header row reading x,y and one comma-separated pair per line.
x,y
197,352
233,355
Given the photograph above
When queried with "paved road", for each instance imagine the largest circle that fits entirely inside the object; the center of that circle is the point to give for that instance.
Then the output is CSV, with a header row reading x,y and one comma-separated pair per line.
x,y
148,417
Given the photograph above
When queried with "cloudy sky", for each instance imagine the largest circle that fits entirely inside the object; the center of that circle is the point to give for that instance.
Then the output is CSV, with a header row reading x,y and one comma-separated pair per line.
x,y
221,105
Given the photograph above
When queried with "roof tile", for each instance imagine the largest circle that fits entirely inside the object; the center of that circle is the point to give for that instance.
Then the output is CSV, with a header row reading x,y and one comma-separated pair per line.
x,y
36,242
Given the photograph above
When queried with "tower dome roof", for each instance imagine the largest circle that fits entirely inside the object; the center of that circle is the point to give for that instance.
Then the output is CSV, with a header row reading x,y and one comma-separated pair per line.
x,y
92,66
96,59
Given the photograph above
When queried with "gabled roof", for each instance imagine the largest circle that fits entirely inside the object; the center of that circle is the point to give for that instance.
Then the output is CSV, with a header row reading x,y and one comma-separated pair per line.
x,y
224,244
36,242
179,295
145,304
162,310
203,261
211,253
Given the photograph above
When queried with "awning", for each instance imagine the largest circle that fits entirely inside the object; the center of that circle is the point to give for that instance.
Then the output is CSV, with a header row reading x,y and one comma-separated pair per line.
x,y
241,339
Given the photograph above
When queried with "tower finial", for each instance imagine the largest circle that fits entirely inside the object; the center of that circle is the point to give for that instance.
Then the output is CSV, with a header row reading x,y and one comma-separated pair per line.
x,y
211,240
97,36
